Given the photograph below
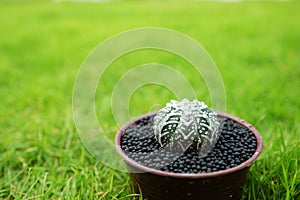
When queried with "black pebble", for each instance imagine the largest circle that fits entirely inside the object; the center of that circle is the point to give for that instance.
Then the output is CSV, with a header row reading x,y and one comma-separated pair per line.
x,y
235,145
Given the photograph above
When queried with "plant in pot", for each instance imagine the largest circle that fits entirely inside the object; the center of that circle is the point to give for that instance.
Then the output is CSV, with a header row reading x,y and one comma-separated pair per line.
x,y
188,151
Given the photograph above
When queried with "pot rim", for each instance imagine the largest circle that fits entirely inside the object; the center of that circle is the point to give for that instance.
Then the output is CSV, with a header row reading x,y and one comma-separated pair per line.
x,y
145,169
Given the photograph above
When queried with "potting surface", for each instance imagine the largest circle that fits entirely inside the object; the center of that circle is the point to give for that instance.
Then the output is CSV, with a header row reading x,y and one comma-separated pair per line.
x,y
236,144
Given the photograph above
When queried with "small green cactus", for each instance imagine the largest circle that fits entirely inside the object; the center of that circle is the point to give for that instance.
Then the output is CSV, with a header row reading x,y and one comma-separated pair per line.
x,y
186,124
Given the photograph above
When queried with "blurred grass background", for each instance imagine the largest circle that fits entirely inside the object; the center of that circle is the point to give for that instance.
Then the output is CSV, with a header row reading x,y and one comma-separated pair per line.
x,y
255,45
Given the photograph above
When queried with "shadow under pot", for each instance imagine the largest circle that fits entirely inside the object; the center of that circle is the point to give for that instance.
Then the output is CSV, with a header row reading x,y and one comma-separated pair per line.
x,y
161,174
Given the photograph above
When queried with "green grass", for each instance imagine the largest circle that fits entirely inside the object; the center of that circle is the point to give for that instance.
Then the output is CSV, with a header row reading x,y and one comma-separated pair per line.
x,y
255,45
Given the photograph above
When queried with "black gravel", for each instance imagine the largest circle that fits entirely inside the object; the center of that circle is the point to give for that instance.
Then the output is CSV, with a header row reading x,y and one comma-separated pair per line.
x,y
235,145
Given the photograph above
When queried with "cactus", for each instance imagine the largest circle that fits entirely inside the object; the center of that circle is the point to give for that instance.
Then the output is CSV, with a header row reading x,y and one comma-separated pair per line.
x,y
184,124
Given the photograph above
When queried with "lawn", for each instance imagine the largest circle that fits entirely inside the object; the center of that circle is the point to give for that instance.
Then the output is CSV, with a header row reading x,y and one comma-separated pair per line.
x,y
256,46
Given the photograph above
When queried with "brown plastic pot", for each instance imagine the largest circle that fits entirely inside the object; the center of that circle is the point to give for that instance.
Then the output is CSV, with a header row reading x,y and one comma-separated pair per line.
x,y
155,184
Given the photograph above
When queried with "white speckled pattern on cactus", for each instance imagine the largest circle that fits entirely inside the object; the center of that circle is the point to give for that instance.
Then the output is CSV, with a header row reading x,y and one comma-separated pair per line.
x,y
186,123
